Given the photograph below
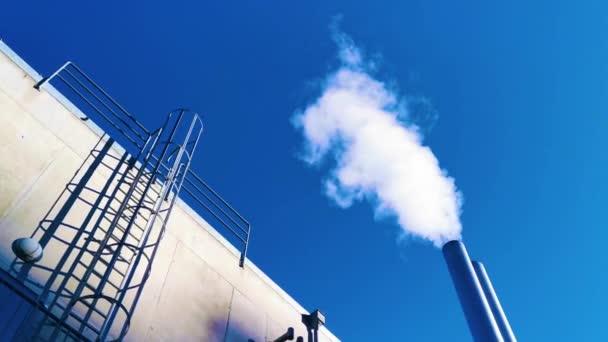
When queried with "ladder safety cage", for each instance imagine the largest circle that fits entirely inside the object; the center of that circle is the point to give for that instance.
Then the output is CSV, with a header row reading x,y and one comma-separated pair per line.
x,y
93,290
196,192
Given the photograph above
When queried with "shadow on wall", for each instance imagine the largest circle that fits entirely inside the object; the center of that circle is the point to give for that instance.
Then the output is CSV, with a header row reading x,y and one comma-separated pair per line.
x,y
235,332
232,332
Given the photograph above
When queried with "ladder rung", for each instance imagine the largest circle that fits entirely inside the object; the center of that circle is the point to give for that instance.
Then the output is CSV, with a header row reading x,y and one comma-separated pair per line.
x,y
80,319
106,263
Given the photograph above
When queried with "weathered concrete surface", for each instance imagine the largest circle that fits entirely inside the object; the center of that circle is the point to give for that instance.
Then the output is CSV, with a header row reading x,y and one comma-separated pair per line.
x,y
194,302
196,291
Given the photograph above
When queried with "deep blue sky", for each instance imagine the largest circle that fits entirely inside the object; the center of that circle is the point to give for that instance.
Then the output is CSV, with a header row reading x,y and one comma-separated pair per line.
x,y
521,92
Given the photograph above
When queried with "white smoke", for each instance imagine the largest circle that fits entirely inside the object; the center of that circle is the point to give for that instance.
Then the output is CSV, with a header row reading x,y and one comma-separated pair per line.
x,y
356,122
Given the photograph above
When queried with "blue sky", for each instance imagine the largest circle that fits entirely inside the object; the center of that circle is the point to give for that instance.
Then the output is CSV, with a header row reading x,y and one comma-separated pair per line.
x,y
520,93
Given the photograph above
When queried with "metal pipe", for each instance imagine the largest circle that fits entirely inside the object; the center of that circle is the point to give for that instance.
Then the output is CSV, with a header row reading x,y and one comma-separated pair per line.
x,y
479,317
492,298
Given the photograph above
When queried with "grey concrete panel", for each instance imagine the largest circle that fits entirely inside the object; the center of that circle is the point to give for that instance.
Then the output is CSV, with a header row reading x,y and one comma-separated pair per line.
x,y
148,304
194,302
26,150
274,329
247,321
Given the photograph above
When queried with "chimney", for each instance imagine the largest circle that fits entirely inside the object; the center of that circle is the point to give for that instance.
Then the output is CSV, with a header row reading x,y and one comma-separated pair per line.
x,y
476,309
492,298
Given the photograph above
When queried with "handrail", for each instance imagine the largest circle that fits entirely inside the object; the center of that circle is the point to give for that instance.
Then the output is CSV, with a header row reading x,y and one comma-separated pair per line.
x,y
203,191
124,123
70,63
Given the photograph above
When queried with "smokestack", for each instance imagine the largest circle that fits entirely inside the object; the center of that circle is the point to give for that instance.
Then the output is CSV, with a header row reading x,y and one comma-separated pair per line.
x,y
470,293
492,298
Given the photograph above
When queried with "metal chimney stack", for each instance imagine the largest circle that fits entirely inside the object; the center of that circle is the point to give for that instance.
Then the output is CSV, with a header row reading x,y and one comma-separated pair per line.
x,y
492,298
472,298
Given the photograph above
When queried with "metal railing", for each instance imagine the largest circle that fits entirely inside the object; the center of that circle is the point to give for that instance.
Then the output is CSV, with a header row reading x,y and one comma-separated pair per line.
x,y
134,136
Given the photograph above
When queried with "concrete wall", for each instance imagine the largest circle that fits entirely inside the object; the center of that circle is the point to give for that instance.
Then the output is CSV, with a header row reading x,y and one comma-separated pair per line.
x,y
196,290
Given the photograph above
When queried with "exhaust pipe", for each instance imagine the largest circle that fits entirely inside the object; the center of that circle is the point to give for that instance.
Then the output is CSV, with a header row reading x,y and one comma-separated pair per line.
x,y
474,304
492,298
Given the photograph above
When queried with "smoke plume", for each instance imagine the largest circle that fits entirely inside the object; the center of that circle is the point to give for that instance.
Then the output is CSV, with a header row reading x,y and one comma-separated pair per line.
x,y
361,128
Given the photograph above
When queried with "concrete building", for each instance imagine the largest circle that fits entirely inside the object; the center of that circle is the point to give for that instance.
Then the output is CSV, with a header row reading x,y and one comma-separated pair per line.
x,y
123,256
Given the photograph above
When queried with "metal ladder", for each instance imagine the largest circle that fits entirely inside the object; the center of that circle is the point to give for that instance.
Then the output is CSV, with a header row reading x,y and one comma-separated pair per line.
x,y
92,292
108,228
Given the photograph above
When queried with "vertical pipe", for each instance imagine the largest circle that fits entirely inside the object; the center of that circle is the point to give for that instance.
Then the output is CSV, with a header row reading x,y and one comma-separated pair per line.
x,y
497,311
472,299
